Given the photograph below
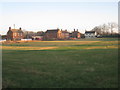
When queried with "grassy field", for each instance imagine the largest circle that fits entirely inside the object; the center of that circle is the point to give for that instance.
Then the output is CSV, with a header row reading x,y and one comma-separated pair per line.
x,y
85,63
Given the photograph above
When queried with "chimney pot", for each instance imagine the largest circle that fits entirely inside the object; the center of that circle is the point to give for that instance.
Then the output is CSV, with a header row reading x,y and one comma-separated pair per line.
x,y
74,29
20,28
9,28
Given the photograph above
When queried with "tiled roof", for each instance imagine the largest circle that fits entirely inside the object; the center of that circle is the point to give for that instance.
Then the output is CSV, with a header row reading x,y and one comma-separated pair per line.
x,y
65,32
52,30
89,31
16,30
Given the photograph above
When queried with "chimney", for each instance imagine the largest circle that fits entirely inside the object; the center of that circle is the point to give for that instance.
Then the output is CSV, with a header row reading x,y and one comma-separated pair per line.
x,y
74,30
20,28
9,28
61,29
77,29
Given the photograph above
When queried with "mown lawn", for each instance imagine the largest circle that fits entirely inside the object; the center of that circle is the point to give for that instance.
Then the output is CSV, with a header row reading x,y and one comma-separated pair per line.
x,y
63,67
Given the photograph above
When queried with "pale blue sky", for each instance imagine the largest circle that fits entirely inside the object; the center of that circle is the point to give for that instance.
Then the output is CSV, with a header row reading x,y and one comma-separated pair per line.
x,y
37,16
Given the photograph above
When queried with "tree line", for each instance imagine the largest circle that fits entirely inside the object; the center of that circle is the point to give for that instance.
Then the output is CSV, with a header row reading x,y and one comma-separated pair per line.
x,y
106,29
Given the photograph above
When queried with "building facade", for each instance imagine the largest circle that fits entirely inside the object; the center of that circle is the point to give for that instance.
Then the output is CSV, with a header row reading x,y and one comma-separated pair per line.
x,y
15,34
53,34
65,34
75,34
90,34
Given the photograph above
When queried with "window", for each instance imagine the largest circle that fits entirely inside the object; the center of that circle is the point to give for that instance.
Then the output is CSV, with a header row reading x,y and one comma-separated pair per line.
x,y
14,34
21,34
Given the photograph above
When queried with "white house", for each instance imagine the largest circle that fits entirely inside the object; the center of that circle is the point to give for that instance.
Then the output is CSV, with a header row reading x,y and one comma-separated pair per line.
x,y
90,34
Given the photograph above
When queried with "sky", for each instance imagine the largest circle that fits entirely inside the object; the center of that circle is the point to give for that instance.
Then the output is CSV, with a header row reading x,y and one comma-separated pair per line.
x,y
40,16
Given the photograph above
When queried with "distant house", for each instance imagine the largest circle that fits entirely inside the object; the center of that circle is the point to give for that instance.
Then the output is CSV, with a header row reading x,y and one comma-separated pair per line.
x,y
38,36
65,34
15,34
53,34
40,33
90,34
75,34
29,34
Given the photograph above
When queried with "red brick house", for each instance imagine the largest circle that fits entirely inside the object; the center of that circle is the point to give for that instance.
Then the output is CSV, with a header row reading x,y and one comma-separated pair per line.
x,y
53,34
75,34
15,34
65,34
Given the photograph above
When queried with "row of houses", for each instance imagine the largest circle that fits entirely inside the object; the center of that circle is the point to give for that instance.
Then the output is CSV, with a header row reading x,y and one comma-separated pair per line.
x,y
53,34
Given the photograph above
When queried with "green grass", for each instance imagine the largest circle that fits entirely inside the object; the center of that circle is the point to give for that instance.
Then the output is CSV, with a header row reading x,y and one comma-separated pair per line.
x,y
63,43
61,68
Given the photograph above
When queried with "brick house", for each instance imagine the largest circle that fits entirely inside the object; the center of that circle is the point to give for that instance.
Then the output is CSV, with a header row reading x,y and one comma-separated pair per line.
x,y
75,34
53,34
65,34
29,34
15,34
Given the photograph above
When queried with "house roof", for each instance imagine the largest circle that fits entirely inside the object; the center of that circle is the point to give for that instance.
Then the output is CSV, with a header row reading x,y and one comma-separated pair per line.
x,y
89,31
16,30
65,31
75,31
52,30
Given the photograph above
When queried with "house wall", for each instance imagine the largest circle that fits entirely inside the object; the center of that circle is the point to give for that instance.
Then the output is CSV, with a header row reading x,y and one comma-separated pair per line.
x,y
65,35
75,34
90,35
50,35
15,35
53,35
59,35
9,35
18,35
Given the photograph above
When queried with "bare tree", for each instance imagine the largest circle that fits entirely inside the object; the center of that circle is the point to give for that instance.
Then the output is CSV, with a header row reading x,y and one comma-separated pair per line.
x,y
97,29
105,29
112,25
